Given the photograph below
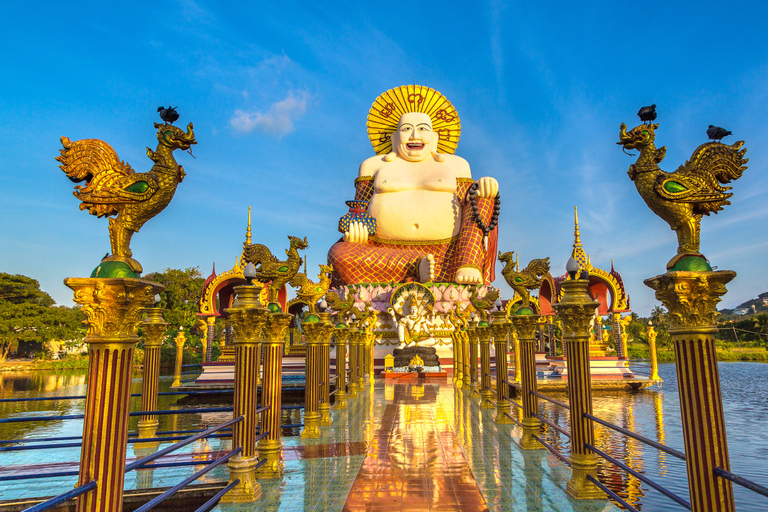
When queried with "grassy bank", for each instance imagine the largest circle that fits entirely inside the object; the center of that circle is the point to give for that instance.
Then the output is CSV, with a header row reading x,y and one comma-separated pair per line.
x,y
725,352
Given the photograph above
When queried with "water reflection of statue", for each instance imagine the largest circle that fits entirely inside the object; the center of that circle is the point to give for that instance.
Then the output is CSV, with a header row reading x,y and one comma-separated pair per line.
x,y
429,224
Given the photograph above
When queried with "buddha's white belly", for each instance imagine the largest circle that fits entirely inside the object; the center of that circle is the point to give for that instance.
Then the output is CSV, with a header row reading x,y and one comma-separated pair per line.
x,y
416,215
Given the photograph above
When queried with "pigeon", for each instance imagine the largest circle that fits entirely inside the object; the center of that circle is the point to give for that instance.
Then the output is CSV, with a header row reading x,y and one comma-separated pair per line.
x,y
169,115
716,133
647,114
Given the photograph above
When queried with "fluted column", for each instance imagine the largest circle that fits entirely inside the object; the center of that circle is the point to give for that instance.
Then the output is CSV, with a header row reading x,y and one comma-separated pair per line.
x,y
576,309
113,309
247,318
210,335
518,362
483,331
618,338
651,333
271,394
458,358
179,340
360,346
325,371
691,299
341,333
312,392
474,383
352,337
467,378
154,328
500,329
525,326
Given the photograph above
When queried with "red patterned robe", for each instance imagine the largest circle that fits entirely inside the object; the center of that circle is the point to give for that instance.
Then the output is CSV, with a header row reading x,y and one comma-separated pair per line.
x,y
397,261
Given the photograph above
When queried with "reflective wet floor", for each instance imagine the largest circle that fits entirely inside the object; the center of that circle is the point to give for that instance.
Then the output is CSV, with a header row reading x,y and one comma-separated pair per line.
x,y
417,446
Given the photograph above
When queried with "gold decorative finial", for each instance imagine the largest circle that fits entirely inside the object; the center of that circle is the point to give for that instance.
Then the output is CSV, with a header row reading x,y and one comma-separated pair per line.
x,y
578,251
248,230
522,282
113,189
681,198
271,271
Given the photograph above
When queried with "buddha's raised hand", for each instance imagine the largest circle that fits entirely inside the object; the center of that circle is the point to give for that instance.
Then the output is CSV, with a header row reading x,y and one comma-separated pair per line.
x,y
487,187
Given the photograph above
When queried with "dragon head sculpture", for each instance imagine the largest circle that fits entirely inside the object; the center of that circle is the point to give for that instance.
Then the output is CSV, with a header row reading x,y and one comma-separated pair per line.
x,y
174,137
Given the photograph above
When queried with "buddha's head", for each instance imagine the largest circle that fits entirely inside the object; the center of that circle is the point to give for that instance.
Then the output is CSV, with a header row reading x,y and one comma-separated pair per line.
x,y
414,139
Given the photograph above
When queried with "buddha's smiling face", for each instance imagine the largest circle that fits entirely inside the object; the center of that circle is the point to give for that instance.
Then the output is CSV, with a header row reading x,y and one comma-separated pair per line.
x,y
414,140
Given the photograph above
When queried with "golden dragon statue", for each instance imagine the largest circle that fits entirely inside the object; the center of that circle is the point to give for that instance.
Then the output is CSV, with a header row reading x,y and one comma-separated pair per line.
x,y
523,281
346,307
485,303
682,197
312,292
271,271
112,187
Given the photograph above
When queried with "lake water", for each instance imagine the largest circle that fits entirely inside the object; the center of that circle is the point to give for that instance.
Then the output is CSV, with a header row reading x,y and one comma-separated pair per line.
x,y
652,413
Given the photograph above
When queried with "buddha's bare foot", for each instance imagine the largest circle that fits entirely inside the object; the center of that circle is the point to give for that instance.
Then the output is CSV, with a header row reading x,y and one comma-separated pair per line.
x,y
427,269
469,275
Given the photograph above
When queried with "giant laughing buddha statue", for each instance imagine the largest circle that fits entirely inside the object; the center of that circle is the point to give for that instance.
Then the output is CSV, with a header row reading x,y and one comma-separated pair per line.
x,y
417,215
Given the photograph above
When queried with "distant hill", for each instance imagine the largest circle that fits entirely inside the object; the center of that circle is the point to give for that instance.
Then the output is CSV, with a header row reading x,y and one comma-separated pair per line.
x,y
750,307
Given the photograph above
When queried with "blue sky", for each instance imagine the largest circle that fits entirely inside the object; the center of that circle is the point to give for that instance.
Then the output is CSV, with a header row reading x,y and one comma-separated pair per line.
x,y
279,94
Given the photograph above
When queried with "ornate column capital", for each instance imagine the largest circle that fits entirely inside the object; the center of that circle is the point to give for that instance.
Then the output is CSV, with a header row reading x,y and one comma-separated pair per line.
x,y
113,307
275,327
246,315
525,325
154,327
691,297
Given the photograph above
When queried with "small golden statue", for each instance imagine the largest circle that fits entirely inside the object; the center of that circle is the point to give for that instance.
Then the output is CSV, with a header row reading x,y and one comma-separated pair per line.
x,y
112,187
309,291
416,361
681,198
271,270
526,280
485,303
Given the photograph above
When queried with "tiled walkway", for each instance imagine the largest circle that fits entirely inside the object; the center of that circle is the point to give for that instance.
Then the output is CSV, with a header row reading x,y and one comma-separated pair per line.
x,y
428,446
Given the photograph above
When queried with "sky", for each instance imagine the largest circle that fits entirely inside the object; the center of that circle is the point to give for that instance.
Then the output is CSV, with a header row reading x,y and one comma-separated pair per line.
x,y
279,93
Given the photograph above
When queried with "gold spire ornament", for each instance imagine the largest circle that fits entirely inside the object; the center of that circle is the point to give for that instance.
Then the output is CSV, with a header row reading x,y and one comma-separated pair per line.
x,y
113,188
682,197
385,114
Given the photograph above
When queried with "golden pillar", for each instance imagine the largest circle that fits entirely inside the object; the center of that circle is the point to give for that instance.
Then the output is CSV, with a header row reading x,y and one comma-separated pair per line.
x,y
154,328
651,332
325,370
691,297
500,329
351,336
210,334
576,309
458,358
312,393
360,346
518,363
271,394
472,336
180,339
483,331
371,339
342,335
467,378
525,326
113,308
247,318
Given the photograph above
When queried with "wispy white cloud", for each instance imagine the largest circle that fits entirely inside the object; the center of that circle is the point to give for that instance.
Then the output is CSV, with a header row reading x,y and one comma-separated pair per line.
x,y
277,121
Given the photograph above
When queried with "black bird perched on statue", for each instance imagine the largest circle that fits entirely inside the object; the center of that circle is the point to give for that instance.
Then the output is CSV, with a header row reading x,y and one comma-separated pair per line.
x,y
169,115
647,114
716,133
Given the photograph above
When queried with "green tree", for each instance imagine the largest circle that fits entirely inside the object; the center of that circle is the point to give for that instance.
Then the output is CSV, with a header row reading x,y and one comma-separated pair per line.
x,y
28,314
180,297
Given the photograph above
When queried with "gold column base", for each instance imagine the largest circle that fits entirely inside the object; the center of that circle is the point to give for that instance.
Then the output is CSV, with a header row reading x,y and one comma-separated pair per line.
x,y
360,383
474,389
248,490
578,486
530,428
270,450
325,415
486,399
311,426
341,399
227,356
148,430
352,390
503,408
